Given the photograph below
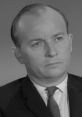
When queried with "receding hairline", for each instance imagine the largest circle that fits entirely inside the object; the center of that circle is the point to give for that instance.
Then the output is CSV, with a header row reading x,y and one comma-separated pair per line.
x,y
36,10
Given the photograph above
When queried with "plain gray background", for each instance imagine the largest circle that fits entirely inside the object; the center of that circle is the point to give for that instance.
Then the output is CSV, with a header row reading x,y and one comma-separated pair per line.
x,y
10,69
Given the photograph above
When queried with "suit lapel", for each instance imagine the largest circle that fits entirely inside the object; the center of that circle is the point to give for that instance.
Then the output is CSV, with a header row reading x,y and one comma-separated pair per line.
x,y
75,96
33,100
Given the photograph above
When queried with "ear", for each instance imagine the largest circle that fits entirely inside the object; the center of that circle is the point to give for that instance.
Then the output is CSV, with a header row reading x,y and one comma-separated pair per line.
x,y
18,54
70,39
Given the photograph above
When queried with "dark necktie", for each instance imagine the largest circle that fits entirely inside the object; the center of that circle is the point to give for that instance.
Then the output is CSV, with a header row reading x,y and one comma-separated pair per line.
x,y
52,104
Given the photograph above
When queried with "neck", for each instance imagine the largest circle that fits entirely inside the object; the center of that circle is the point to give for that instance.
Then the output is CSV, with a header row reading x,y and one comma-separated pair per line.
x,y
49,82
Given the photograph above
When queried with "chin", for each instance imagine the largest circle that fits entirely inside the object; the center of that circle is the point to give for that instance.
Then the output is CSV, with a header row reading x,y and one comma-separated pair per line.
x,y
54,73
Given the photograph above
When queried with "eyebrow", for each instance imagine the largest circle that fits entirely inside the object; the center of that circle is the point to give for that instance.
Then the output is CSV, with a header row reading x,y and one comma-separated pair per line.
x,y
35,39
60,33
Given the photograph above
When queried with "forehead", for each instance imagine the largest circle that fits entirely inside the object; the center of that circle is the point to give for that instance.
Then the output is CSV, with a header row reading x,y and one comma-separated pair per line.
x,y
48,21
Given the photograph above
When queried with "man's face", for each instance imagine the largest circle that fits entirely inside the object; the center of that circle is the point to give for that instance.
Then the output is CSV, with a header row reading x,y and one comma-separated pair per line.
x,y
45,47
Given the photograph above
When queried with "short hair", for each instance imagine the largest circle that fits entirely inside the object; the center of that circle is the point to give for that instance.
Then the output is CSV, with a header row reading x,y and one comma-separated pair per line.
x,y
31,9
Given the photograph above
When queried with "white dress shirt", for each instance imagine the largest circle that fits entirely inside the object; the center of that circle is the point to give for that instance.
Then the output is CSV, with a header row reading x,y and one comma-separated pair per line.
x,y
60,96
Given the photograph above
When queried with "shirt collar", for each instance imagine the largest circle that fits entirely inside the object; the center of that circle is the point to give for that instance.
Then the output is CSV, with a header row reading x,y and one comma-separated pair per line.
x,y
62,86
39,87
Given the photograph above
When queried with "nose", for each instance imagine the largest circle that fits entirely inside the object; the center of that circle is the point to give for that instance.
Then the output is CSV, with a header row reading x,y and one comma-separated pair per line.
x,y
51,50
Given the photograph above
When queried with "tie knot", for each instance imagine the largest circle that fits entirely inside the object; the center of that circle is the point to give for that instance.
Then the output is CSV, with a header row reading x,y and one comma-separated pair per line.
x,y
51,90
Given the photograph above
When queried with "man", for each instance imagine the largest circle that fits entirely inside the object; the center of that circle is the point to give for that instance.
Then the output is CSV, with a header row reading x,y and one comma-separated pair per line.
x,y
44,46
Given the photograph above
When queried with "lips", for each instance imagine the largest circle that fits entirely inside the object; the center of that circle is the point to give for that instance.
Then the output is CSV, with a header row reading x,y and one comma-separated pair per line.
x,y
53,64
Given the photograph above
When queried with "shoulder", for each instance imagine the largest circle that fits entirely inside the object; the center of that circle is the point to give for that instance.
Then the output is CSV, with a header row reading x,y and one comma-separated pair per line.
x,y
12,86
8,91
75,80
75,77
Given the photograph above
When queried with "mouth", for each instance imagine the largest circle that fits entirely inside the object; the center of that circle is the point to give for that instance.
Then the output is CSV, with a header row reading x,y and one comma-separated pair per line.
x,y
53,65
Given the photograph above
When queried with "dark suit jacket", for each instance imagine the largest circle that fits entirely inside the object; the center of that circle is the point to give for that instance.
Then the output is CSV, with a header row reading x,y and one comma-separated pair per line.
x,y
21,99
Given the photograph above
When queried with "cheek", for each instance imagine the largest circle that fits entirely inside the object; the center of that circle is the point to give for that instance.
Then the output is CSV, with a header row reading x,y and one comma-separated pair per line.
x,y
65,50
33,59
65,47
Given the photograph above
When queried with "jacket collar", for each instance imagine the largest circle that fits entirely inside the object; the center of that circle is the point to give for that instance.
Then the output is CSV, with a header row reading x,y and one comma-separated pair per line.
x,y
33,100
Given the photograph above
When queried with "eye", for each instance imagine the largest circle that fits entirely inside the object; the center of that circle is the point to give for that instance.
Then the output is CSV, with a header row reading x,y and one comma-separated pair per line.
x,y
59,38
36,44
